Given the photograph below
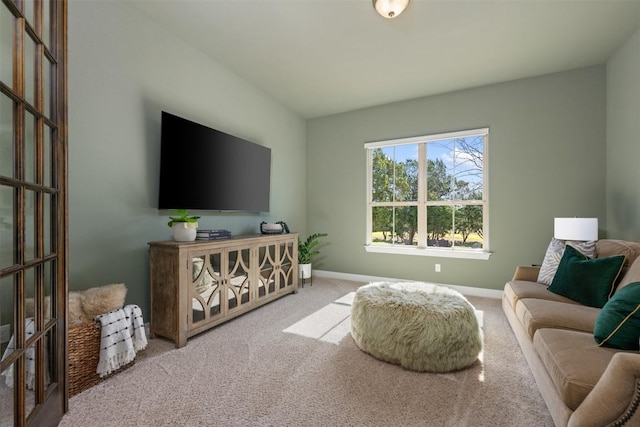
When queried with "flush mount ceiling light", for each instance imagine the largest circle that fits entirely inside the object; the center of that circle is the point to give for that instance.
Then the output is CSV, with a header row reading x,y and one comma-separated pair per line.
x,y
390,8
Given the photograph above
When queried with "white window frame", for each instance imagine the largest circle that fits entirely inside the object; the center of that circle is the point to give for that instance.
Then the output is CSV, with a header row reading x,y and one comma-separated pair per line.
x,y
422,248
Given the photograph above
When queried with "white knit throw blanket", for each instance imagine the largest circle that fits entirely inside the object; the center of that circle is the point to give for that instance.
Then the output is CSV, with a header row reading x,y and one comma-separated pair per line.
x,y
121,337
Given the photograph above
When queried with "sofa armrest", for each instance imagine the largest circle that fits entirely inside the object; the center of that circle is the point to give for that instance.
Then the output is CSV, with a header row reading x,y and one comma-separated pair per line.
x,y
528,273
615,397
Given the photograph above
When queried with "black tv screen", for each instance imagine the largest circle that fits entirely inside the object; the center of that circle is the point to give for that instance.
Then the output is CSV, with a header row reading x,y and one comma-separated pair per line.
x,y
205,169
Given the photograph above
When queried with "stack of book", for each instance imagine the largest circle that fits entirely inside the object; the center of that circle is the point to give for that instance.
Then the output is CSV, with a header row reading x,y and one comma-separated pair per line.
x,y
212,234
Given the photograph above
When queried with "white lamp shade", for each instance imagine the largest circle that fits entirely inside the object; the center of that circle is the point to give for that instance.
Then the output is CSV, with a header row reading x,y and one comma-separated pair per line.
x,y
583,229
390,8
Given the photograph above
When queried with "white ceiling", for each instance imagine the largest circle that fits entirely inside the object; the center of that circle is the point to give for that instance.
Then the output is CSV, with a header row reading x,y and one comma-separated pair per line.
x,y
320,57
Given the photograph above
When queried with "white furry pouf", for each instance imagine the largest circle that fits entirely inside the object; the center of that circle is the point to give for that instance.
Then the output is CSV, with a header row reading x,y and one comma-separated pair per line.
x,y
419,326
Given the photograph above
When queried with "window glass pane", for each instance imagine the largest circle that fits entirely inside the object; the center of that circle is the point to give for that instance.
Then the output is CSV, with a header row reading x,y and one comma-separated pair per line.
x,y
395,173
469,232
46,89
30,291
49,274
439,226
30,395
28,11
7,400
46,23
406,172
440,156
382,225
7,315
6,136
29,331
395,225
51,371
47,230
41,366
6,46
29,69
47,154
382,174
29,148
406,220
6,226
468,166
30,225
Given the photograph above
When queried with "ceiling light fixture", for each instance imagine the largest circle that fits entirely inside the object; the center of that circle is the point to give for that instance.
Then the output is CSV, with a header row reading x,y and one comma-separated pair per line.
x,y
390,8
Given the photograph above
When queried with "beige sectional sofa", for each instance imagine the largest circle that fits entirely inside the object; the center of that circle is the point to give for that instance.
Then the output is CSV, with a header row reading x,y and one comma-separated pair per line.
x,y
582,383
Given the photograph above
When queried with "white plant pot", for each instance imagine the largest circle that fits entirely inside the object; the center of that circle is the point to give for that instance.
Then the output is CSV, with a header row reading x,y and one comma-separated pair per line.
x,y
304,271
184,231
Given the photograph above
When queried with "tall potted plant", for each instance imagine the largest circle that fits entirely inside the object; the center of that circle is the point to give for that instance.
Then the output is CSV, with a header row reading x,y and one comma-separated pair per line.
x,y
184,226
306,251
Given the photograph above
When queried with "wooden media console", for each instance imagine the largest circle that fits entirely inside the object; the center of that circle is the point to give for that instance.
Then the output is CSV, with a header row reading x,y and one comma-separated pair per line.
x,y
198,285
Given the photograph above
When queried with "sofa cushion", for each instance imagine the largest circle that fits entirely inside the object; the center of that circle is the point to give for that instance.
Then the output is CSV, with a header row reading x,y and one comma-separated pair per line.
x,y
632,275
610,247
518,289
554,253
573,360
618,324
535,314
588,281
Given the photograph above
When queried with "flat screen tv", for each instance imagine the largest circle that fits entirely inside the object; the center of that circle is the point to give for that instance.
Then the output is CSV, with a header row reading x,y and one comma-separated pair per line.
x,y
205,169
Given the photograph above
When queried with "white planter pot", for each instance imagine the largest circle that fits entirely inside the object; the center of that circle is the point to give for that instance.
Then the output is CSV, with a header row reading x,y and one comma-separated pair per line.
x,y
304,271
184,231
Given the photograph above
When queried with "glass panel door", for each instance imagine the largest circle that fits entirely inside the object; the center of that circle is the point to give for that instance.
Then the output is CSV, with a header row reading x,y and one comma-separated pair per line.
x,y
33,224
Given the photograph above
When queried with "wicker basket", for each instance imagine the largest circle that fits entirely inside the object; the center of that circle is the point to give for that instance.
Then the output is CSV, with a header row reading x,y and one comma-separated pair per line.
x,y
83,353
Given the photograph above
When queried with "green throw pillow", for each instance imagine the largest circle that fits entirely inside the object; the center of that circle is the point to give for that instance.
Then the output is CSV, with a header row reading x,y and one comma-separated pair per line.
x,y
618,324
590,281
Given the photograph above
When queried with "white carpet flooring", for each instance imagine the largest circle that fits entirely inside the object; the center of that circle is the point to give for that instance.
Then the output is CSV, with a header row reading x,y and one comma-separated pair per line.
x,y
294,363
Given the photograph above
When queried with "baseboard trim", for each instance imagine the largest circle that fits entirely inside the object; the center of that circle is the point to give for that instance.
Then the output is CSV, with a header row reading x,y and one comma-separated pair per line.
x,y
464,290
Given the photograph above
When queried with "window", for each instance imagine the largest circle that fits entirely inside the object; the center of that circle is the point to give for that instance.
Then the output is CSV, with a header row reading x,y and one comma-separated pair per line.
x,y
428,195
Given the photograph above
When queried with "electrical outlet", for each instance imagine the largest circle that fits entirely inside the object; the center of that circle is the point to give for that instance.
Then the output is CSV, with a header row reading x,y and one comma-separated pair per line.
x,y
5,333
437,268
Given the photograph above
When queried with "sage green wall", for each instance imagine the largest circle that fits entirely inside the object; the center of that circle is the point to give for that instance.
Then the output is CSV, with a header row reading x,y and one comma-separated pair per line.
x,y
546,159
123,70
623,141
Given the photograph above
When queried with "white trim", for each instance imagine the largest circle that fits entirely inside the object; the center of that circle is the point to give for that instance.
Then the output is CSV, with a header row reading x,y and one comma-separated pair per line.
x,y
426,138
465,290
414,250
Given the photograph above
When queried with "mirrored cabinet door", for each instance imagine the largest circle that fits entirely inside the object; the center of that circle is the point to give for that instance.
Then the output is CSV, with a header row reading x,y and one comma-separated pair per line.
x,y
206,287
238,278
267,261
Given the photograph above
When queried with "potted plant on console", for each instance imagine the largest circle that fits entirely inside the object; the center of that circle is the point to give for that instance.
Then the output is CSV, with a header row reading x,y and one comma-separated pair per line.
x,y
184,226
306,251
